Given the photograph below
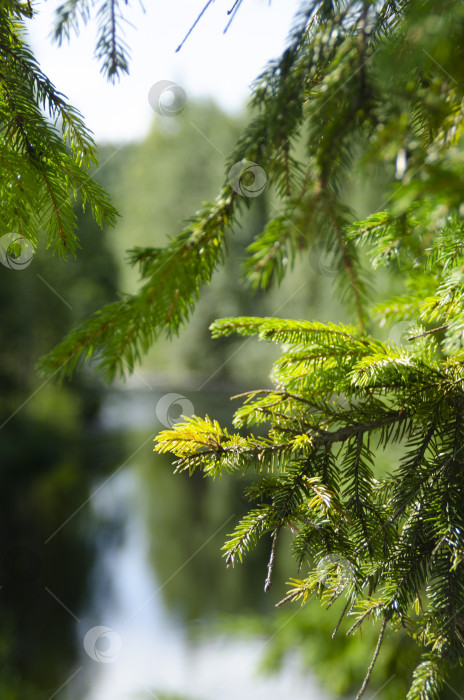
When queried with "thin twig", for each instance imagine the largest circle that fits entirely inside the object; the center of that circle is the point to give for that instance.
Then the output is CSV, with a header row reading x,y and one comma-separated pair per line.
x,y
341,618
194,25
288,598
433,330
270,565
374,659
233,12
361,619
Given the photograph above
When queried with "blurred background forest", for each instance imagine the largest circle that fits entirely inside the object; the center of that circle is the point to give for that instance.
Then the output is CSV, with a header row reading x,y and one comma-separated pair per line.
x,y
95,529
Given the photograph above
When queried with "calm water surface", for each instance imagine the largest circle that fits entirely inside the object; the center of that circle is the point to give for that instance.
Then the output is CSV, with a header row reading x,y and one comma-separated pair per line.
x,y
160,584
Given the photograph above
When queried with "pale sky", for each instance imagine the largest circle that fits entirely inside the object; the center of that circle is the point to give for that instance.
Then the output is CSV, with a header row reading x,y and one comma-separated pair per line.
x,y
210,63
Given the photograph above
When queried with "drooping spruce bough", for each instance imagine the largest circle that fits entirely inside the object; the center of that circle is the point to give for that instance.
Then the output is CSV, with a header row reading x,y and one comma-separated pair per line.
x,y
46,150
372,86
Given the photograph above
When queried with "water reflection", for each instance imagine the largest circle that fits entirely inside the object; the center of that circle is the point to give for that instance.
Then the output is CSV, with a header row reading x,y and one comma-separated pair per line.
x,y
168,582
165,653
105,546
